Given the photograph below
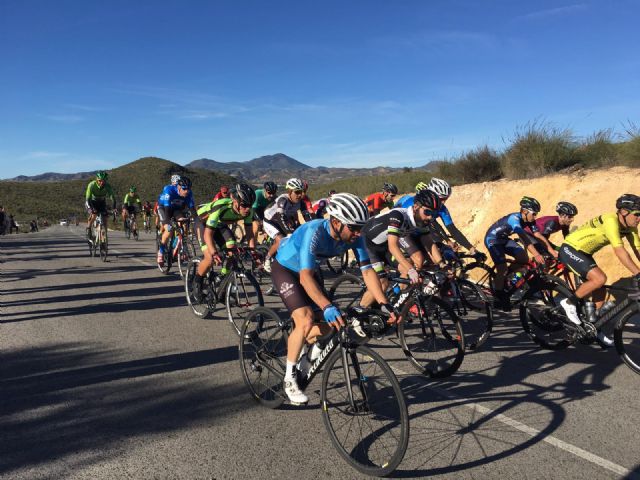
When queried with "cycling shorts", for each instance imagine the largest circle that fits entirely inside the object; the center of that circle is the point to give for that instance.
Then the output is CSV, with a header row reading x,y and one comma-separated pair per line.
x,y
499,250
223,237
131,209
167,213
98,205
287,283
274,228
379,255
578,261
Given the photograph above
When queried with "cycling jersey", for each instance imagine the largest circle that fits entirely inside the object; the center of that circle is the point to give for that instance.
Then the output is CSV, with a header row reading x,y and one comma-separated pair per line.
x,y
601,231
404,201
376,202
397,221
320,207
221,212
95,192
130,199
550,225
219,196
499,232
147,209
172,199
442,212
261,200
312,243
283,211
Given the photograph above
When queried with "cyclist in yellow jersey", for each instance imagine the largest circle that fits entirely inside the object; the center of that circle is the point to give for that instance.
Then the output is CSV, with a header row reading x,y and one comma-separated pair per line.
x,y
579,246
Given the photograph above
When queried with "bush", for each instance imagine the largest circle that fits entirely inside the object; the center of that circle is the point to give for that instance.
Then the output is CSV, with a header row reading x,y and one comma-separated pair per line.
x,y
480,165
597,150
538,149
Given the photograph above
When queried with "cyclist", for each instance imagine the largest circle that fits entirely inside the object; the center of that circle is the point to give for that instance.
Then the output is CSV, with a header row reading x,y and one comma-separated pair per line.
x,y
379,200
174,179
147,210
306,204
173,202
579,246
319,207
407,200
556,223
281,218
499,244
217,234
96,199
296,277
265,196
129,205
387,234
222,193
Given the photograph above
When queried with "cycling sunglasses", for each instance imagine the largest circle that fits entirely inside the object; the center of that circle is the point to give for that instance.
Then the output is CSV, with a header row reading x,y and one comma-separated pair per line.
x,y
244,205
354,228
635,213
298,192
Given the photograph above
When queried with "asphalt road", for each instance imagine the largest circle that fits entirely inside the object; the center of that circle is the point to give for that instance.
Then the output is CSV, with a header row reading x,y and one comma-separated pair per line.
x,y
105,373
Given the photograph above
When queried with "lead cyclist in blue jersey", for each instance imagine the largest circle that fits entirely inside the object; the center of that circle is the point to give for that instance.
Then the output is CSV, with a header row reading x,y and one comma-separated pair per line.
x,y
173,203
295,277
443,190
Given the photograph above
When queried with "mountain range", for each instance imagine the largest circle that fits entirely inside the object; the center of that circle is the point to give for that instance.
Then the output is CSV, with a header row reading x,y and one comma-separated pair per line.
x,y
278,168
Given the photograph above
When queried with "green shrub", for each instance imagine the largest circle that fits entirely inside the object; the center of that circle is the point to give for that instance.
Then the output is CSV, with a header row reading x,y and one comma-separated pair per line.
x,y
480,165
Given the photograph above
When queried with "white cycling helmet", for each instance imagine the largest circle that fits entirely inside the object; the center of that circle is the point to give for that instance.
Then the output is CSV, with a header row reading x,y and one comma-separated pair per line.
x,y
440,188
348,208
175,179
294,184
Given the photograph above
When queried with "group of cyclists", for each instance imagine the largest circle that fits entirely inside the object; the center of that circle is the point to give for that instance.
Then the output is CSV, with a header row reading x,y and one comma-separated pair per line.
x,y
406,236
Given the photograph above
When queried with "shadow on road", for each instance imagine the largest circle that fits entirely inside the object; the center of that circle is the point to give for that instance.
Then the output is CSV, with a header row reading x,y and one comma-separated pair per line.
x,y
79,400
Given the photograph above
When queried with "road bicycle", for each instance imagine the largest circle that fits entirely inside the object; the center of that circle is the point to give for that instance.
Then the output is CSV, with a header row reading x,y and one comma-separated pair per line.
x,y
99,242
430,334
146,221
363,407
546,323
180,247
238,290
130,226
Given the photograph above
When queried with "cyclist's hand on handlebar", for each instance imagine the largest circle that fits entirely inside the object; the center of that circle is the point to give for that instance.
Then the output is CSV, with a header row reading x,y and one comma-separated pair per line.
x,y
216,258
539,259
479,256
414,276
394,315
333,316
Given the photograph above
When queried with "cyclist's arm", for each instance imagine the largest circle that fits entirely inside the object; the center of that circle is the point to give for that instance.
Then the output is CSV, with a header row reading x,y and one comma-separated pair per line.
x,y
626,260
541,238
248,233
459,237
396,251
112,195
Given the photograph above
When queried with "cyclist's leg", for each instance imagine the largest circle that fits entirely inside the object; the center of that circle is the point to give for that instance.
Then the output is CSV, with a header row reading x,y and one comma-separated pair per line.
x,y
585,266
123,213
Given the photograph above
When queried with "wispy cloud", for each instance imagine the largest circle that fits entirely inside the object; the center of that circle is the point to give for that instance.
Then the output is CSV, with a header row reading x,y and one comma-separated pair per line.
x,y
43,154
553,12
203,115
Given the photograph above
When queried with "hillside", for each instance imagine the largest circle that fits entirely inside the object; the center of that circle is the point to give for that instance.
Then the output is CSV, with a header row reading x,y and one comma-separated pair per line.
x,y
54,200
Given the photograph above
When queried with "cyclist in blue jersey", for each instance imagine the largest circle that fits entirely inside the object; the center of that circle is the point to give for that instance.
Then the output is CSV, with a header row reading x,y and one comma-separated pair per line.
x,y
295,275
406,201
499,244
173,203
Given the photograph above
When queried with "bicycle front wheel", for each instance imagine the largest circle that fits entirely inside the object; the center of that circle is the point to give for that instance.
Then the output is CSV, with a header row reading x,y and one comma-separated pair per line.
x,y
475,311
627,340
364,410
243,295
431,336
104,249
263,355
199,306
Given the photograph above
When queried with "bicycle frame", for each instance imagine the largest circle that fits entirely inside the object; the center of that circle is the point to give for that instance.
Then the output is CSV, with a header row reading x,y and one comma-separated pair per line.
x,y
632,302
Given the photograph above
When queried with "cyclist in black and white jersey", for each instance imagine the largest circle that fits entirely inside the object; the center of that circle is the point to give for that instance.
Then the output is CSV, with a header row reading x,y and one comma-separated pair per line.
x,y
388,234
281,218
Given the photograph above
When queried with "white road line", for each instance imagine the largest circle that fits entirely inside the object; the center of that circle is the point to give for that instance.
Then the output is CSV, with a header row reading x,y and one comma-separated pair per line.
x,y
532,432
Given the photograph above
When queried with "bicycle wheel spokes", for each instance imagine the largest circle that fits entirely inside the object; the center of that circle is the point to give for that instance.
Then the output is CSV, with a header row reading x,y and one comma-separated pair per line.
x,y
432,337
200,307
369,426
542,317
242,296
627,339
475,312
263,351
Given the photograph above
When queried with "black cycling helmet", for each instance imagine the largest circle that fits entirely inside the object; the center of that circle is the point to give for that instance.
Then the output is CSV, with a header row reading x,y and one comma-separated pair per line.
x,y
390,187
428,199
331,192
530,203
184,182
244,194
566,208
628,201
270,187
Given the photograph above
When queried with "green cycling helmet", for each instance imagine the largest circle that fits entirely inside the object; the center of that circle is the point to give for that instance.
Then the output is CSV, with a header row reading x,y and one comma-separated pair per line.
x,y
421,186
102,175
132,189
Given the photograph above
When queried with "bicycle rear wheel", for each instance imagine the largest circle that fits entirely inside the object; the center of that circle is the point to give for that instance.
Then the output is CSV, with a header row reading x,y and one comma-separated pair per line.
x,y
185,254
346,291
243,295
369,427
206,304
480,274
627,340
104,246
263,355
431,336
542,317
475,311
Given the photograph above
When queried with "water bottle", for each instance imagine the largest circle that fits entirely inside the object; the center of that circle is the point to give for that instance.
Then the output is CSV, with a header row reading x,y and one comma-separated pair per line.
x,y
396,289
174,242
590,310
517,280
606,308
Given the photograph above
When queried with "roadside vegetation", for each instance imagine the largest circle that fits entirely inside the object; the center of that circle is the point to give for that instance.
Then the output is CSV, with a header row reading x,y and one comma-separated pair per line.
x,y
534,150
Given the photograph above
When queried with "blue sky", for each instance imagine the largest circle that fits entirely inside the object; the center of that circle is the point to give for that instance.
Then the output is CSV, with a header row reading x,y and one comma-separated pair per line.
x,y
91,84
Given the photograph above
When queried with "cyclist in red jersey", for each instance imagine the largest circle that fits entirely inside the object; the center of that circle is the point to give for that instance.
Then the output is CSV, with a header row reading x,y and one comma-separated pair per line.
x,y
555,223
222,193
379,200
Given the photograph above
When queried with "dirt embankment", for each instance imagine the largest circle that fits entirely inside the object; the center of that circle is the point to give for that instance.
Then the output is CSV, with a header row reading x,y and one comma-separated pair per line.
x,y
475,207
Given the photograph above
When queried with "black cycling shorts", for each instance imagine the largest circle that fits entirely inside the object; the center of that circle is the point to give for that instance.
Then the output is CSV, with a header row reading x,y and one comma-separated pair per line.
x,y
165,214
379,255
131,209
287,284
579,262
99,205
223,237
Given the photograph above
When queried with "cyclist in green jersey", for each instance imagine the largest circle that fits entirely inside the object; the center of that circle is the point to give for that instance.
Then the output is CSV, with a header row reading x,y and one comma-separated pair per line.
x,y
217,234
579,246
96,198
129,203
265,196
